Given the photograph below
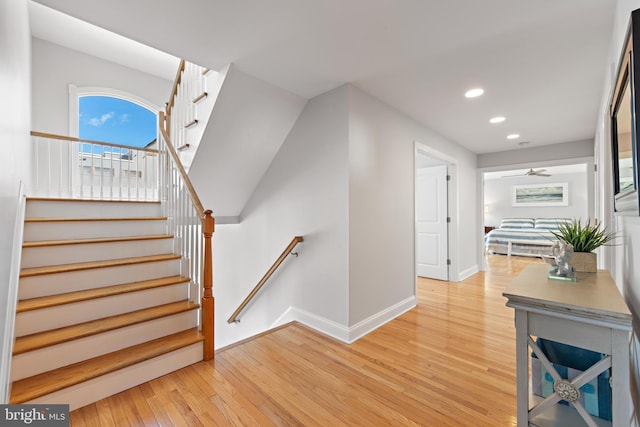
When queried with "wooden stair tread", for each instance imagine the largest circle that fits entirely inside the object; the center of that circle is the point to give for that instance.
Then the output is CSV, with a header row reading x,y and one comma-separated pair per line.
x,y
63,268
88,294
69,333
42,243
132,218
48,382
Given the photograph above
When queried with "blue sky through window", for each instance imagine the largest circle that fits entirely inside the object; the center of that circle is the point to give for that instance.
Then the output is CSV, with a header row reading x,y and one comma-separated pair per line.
x,y
115,120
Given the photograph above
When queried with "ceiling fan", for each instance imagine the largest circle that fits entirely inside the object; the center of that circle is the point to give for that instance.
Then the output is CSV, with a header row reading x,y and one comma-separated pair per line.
x,y
530,172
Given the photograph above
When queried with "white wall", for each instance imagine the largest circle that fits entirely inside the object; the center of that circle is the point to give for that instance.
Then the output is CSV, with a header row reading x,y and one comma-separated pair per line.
x,y
621,260
566,150
249,122
55,67
15,124
15,86
381,203
498,197
344,179
304,192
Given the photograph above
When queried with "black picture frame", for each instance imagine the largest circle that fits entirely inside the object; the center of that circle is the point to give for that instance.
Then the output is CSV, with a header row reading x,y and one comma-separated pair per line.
x,y
624,124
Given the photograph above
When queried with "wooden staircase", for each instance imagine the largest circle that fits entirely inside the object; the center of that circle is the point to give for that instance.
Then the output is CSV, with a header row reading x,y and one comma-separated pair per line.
x,y
102,305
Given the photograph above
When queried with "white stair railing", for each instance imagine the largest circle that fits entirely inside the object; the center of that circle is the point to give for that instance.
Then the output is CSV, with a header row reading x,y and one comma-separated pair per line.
x,y
192,227
189,221
181,108
67,167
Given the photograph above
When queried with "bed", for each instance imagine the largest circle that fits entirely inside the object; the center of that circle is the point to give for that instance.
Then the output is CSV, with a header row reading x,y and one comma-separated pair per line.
x,y
523,236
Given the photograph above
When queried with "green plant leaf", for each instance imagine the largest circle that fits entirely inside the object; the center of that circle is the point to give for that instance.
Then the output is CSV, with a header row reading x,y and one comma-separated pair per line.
x,y
584,238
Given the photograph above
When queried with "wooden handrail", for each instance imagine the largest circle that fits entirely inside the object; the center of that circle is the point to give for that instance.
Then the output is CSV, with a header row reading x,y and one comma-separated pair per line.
x,y
208,222
172,97
208,226
71,138
176,84
183,172
264,279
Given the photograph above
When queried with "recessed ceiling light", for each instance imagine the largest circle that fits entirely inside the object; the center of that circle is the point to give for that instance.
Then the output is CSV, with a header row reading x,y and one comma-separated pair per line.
x,y
474,93
513,136
498,119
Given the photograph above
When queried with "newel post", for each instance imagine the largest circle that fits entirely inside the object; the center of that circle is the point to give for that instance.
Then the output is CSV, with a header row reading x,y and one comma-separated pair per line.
x,y
208,225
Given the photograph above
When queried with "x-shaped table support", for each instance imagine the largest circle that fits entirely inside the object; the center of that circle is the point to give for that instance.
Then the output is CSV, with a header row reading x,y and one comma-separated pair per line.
x,y
565,389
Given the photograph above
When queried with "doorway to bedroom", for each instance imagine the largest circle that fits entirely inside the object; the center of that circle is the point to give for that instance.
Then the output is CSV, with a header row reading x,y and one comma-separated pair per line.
x,y
521,200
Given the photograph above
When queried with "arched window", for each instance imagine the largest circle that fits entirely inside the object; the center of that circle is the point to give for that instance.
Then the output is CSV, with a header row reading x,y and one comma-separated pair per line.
x,y
115,120
112,116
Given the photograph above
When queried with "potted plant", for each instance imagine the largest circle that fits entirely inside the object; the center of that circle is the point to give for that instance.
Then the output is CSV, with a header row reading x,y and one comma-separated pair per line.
x,y
585,239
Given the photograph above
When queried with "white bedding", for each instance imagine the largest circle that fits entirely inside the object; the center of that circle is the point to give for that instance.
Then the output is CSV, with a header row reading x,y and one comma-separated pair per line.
x,y
528,236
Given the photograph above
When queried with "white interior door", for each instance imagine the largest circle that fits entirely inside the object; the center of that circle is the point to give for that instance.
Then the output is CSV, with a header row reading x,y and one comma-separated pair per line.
x,y
431,222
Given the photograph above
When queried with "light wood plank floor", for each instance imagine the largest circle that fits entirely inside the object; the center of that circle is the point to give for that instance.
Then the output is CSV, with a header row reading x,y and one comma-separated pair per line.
x,y
448,362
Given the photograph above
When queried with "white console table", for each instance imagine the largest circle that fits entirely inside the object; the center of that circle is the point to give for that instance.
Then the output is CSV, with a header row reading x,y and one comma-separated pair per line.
x,y
590,314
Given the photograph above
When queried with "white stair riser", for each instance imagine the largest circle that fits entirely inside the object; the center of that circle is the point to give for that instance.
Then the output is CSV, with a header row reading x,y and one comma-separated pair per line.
x,y
30,322
99,388
37,231
51,284
68,254
77,209
45,359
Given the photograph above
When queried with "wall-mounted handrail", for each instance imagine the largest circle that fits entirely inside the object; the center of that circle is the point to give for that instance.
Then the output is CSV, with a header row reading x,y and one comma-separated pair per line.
x,y
272,269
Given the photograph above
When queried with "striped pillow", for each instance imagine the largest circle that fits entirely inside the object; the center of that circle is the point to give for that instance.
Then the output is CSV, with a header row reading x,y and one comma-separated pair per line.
x,y
551,223
517,223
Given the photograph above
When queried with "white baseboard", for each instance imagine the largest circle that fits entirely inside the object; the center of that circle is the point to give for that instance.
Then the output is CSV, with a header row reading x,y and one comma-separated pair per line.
x,y
286,317
320,324
343,333
464,274
373,322
336,330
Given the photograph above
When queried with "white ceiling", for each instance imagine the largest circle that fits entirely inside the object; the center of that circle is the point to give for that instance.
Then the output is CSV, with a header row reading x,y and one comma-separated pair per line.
x,y
59,28
540,62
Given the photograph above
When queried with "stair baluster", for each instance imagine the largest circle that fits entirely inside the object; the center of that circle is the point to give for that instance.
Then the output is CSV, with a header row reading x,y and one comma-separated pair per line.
x,y
193,226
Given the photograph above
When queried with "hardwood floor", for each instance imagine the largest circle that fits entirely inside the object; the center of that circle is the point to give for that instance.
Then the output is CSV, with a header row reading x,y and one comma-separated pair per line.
x,y
448,362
